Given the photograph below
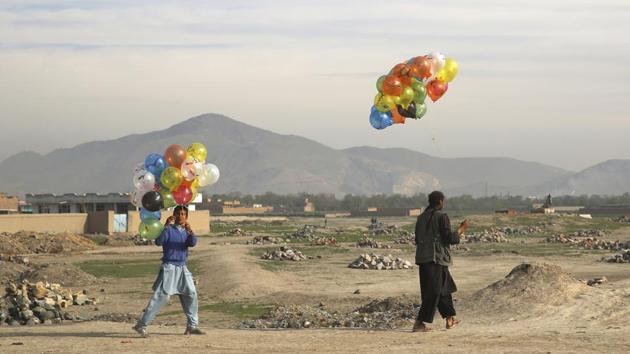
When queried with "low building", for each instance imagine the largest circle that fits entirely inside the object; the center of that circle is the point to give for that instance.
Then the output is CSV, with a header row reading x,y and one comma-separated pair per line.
x,y
50,203
232,207
9,204
387,212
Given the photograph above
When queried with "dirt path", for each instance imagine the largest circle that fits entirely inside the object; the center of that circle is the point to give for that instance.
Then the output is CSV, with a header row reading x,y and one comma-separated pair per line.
x,y
107,337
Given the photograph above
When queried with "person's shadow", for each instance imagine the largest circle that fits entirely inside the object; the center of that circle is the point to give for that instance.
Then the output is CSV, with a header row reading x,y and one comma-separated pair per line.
x,y
129,335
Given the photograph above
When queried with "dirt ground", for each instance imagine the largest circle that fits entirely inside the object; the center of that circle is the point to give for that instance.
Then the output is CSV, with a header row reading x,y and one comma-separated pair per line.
x,y
230,272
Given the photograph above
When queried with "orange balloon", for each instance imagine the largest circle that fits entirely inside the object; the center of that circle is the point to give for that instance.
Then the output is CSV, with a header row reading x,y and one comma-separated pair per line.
x,y
436,89
175,155
396,117
403,71
392,85
421,67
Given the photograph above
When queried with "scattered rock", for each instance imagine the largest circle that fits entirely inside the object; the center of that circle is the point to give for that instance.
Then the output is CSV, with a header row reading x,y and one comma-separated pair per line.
x,y
324,241
622,257
237,232
592,243
596,281
389,313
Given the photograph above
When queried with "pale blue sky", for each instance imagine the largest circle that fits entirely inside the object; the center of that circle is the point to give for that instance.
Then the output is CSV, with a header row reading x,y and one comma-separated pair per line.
x,y
543,81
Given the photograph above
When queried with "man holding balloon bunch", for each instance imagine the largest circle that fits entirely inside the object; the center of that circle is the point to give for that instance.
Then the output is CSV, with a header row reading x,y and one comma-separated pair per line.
x,y
162,182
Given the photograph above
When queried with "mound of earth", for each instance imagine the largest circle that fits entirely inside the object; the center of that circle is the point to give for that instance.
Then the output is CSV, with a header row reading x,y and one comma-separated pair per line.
x,y
31,242
9,271
64,274
530,289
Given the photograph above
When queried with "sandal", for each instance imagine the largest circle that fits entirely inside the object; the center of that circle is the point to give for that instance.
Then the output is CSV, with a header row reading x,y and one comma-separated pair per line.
x,y
420,327
451,322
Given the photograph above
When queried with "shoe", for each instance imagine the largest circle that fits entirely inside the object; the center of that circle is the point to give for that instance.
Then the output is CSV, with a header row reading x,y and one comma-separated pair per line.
x,y
194,330
141,330
419,326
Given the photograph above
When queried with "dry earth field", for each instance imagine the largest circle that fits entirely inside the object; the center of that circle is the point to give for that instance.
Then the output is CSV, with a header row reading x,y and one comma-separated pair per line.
x,y
539,313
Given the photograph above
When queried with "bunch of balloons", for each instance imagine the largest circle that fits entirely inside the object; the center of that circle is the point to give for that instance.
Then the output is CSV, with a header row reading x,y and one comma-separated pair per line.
x,y
164,181
401,93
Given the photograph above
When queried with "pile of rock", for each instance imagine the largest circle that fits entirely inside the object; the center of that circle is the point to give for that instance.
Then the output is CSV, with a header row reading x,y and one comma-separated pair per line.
x,y
380,262
623,219
141,241
520,231
263,240
35,303
236,232
588,233
389,313
408,239
305,232
15,259
489,235
284,254
622,257
591,243
324,241
367,242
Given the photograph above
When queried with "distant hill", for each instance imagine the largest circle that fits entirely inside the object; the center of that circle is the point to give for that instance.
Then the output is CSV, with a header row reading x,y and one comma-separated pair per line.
x,y
254,160
610,177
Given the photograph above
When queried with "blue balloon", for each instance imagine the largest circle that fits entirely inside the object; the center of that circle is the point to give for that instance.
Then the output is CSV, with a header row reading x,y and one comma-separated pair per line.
x,y
145,214
380,120
155,164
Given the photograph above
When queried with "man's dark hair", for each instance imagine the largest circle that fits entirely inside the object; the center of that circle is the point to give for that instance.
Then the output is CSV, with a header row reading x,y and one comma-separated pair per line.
x,y
435,197
180,207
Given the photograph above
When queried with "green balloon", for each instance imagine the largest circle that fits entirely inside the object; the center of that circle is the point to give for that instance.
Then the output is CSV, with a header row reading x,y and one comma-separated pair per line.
x,y
379,83
407,96
150,228
420,93
167,197
421,109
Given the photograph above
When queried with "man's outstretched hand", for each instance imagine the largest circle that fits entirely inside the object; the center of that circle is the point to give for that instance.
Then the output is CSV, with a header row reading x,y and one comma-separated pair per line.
x,y
463,227
170,220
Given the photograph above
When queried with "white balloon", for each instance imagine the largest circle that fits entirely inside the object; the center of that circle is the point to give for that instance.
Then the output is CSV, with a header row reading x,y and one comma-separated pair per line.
x,y
136,198
191,168
144,180
437,61
209,176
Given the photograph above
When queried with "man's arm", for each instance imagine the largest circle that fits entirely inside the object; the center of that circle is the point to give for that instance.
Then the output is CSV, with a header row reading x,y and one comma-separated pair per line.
x,y
162,238
448,236
191,241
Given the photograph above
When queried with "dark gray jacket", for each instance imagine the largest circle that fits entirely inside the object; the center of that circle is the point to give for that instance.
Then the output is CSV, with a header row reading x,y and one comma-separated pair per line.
x,y
434,237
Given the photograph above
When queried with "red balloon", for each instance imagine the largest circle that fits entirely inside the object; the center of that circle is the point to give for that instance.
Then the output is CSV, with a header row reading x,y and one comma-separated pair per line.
x,y
421,67
175,155
436,89
392,86
182,195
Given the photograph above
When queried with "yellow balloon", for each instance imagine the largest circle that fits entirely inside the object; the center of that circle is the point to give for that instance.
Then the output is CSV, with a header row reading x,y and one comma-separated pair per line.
x,y
197,151
449,71
171,178
384,103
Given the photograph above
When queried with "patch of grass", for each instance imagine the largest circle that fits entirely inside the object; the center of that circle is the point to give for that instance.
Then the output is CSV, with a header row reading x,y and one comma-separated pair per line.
x,y
126,268
237,309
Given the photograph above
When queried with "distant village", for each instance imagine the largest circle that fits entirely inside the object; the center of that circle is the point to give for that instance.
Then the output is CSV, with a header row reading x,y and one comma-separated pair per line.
x,y
114,212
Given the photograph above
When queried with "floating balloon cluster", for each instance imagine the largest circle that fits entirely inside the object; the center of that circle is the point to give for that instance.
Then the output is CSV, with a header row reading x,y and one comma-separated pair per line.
x,y
164,181
402,92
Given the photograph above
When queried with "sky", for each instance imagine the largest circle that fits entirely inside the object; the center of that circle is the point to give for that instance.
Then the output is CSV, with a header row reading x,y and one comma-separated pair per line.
x,y
544,81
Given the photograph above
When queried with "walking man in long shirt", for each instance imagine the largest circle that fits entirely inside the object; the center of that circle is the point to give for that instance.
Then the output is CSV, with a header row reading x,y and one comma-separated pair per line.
x,y
433,257
174,277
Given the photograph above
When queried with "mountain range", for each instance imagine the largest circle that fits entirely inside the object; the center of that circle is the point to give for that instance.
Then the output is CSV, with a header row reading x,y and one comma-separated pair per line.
x,y
254,160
